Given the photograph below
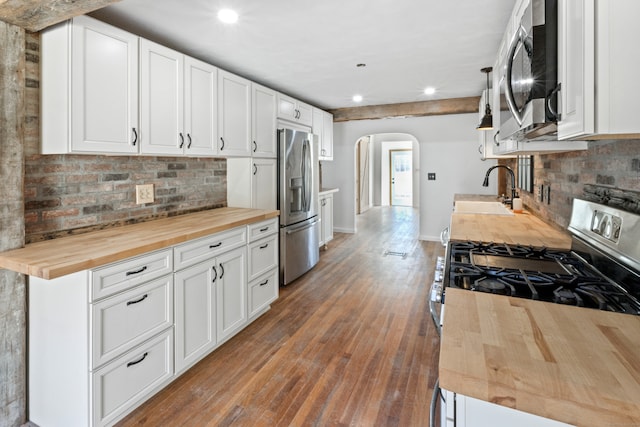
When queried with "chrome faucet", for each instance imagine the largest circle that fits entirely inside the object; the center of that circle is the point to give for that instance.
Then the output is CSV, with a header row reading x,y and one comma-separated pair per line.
x,y
485,183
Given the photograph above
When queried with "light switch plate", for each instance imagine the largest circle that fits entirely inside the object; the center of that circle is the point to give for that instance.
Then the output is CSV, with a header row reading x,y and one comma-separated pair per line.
x,y
144,194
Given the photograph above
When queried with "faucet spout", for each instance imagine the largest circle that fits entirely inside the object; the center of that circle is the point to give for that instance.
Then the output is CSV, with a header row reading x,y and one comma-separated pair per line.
x,y
485,183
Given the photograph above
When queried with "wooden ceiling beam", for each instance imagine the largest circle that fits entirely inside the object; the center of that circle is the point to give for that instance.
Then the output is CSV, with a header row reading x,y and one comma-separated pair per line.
x,y
34,15
408,109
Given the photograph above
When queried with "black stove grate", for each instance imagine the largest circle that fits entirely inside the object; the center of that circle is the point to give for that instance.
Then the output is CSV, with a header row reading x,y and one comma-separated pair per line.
x,y
535,273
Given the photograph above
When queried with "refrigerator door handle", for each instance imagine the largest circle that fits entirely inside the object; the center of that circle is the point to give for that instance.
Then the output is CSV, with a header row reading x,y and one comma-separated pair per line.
x,y
304,227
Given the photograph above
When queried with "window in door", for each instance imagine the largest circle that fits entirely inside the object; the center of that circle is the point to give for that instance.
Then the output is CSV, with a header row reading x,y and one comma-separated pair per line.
x,y
401,185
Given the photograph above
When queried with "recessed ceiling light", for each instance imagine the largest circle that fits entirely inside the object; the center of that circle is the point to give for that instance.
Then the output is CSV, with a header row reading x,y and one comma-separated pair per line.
x,y
430,91
357,98
228,16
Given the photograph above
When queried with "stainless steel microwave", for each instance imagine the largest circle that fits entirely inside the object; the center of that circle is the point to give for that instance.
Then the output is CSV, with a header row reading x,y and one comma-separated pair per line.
x,y
528,76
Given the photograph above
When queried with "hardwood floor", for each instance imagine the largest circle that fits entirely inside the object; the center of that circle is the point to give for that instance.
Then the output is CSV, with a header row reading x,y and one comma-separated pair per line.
x,y
351,343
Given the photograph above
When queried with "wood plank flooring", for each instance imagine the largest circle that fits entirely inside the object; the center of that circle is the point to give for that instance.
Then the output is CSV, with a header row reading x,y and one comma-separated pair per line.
x,y
351,343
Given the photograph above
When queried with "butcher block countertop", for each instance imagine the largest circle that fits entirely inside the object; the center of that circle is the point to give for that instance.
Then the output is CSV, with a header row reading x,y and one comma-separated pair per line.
x,y
66,255
522,228
576,365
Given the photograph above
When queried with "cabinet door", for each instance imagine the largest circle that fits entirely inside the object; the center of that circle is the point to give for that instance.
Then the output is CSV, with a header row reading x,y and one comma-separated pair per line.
x,y
263,122
200,108
231,292
264,184
287,108
305,114
234,115
322,215
162,98
104,89
326,147
195,313
327,218
576,66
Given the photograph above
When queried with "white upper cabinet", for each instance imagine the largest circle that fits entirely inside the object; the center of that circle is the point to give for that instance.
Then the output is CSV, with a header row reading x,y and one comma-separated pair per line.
x,y
263,122
200,108
294,111
161,100
323,127
597,67
89,88
234,115
264,190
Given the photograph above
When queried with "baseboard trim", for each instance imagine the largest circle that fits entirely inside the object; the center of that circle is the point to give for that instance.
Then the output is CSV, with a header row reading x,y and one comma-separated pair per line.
x,y
344,230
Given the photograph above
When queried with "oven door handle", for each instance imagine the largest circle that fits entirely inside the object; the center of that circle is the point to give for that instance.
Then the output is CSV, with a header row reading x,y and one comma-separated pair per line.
x,y
434,403
444,236
435,317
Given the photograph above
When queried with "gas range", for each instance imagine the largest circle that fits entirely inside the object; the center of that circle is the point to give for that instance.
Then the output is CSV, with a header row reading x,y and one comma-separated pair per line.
x,y
535,273
601,271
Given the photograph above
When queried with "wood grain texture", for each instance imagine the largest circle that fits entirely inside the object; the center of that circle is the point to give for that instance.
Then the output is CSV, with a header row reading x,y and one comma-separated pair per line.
x,y
34,15
408,109
572,364
350,343
56,258
522,229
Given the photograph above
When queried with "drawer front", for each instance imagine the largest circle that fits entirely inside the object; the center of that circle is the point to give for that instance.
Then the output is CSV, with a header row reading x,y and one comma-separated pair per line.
x,y
262,229
124,275
191,253
263,256
129,380
263,291
123,321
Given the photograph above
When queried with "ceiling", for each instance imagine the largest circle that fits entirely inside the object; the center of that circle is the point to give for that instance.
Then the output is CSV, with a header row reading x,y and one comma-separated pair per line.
x,y
310,49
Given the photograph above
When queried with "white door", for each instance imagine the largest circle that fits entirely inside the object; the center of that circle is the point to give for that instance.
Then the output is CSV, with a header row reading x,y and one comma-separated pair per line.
x,y
234,115
231,292
401,177
162,98
200,108
264,184
263,121
195,313
104,104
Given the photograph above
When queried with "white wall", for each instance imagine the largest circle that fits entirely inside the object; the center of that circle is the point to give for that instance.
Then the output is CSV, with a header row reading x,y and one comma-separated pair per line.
x,y
448,147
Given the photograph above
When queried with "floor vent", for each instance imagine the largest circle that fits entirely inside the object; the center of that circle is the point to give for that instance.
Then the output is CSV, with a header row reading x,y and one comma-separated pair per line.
x,y
393,253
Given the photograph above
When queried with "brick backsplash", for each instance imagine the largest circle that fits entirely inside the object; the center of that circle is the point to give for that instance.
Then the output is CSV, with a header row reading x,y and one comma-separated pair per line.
x,y
609,165
69,194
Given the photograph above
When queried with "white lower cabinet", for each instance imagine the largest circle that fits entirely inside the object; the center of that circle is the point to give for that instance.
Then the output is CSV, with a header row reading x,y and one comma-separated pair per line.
x,y
103,341
326,218
195,309
131,378
231,293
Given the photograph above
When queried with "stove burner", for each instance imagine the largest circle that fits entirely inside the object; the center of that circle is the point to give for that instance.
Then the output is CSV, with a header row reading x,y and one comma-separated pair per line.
x,y
493,286
567,296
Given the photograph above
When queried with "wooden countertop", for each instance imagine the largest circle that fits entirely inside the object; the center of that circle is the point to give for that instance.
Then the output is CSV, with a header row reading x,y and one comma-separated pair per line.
x,y
59,257
576,365
521,228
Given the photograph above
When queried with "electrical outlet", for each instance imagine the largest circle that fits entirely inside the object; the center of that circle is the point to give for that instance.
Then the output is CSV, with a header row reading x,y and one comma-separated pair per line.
x,y
431,176
144,194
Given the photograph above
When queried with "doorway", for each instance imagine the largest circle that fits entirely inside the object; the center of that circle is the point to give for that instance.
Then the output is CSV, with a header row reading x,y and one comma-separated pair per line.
x,y
363,175
401,177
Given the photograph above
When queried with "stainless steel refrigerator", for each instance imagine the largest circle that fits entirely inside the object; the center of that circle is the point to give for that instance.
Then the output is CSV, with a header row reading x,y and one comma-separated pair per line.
x,y
298,202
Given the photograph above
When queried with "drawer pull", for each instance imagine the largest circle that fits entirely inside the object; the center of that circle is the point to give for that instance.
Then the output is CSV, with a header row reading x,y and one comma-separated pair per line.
x,y
264,246
135,362
262,230
129,273
217,245
144,297
264,283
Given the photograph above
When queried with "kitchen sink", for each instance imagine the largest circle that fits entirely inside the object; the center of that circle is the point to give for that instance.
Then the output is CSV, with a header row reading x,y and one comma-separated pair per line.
x,y
477,207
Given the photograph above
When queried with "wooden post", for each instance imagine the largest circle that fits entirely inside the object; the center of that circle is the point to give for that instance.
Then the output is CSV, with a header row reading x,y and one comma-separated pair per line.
x,y
13,354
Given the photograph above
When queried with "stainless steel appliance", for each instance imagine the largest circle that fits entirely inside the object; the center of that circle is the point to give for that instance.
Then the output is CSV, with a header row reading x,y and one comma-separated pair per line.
x,y
527,73
601,271
298,202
